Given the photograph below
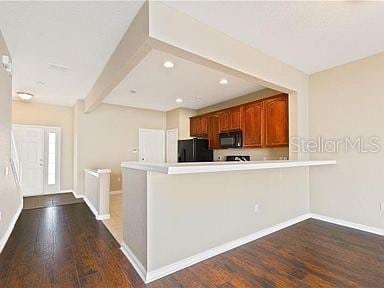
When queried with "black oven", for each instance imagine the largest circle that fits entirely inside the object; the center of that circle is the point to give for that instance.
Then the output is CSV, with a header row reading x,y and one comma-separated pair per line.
x,y
231,139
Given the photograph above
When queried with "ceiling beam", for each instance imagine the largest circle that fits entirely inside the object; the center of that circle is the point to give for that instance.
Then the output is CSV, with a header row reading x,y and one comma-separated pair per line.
x,y
133,47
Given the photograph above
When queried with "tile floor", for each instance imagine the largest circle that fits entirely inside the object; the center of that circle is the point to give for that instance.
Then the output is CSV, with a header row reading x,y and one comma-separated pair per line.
x,y
115,223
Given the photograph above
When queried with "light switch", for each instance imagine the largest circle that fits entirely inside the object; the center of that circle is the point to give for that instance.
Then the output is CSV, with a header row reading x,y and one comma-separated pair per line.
x,y
6,171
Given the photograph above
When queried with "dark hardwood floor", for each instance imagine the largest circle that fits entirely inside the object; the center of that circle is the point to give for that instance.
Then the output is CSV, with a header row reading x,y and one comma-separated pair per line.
x,y
50,200
65,246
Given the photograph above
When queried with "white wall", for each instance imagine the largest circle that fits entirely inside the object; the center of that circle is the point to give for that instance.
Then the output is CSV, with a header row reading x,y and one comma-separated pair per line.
x,y
107,136
349,101
179,118
10,198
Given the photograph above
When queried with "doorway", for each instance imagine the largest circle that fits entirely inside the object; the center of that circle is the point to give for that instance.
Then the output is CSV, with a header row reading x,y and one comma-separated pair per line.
x,y
39,150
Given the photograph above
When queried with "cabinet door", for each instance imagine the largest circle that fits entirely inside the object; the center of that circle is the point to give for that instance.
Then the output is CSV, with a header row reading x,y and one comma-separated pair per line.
x,y
276,121
253,124
194,126
213,132
203,127
236,114
225,120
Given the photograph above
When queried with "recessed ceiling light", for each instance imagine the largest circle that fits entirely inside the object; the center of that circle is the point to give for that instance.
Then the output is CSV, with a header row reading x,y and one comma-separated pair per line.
x,y
168,64
25,96
179,100
223,81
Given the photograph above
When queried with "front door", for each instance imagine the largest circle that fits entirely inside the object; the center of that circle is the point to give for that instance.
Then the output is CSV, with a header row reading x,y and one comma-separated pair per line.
x,y
38,149
30,146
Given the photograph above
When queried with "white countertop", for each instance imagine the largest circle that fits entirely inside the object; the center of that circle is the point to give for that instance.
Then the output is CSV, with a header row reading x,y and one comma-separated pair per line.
x,y
207,167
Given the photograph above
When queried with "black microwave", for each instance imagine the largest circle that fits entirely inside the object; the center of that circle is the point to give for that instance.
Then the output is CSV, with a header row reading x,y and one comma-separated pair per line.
x,y
231,139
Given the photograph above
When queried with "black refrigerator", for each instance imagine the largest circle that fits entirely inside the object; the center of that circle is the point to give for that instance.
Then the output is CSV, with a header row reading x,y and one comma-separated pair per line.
x,y
194,150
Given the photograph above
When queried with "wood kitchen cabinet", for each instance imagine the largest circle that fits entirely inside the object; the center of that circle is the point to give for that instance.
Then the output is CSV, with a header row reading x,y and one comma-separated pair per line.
x,y
252,126
276,121
264,123
213,132
236,116
230,119
199,126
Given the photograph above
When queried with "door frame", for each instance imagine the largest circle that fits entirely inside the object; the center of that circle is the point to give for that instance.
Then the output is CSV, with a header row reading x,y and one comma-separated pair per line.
x,y
176,131
48,129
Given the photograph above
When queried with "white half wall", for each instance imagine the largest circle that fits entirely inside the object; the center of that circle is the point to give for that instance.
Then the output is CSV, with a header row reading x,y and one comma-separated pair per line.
x,y
174,221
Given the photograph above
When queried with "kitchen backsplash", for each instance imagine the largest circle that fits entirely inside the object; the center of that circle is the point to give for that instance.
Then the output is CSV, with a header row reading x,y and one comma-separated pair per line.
x,y
256,154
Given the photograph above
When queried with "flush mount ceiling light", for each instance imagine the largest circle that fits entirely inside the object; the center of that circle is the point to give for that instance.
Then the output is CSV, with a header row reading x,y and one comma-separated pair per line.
x,y
25,96
223,81
168,64
179,100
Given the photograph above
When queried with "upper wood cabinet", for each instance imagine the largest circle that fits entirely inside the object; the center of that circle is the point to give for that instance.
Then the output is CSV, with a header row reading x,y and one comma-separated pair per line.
x,y
199,126
225,120
276,121
236,117
203,125
264,123
213,131
252,125
230,119
194,122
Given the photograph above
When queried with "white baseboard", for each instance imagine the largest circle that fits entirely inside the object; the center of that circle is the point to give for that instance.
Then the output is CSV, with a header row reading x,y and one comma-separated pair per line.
x,y
77,196
53,193
184,263
103,217
134,261
65,191
93,209
8,232
348,224
116,192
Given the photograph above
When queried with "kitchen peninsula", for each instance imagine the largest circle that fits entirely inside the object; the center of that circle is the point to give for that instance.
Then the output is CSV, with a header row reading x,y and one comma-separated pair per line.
x,y
179,214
